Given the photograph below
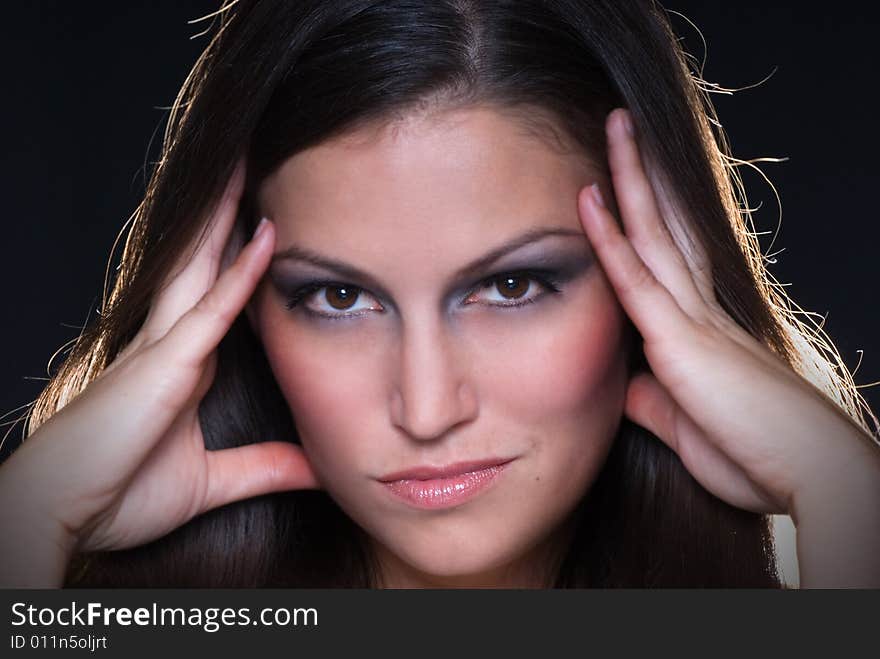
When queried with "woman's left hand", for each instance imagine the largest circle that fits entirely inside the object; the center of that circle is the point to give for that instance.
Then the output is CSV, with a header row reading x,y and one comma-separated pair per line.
x,y
745,425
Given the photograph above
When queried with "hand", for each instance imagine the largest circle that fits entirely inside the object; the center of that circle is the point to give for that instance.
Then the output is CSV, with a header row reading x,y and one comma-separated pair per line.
x,y
125,461
745,425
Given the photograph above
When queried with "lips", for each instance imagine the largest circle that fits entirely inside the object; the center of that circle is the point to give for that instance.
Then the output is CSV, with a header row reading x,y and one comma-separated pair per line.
x,y
443,487
428,473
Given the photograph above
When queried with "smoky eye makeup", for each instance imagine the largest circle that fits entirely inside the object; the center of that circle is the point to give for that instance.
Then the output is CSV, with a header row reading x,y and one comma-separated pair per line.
x,y
546,274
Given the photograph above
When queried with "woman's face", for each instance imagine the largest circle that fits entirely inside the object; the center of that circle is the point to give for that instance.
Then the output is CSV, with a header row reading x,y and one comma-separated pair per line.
x,y
465,321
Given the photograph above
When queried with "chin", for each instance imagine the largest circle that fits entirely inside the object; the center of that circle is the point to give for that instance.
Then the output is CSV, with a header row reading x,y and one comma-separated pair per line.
x,y
446,559
456,560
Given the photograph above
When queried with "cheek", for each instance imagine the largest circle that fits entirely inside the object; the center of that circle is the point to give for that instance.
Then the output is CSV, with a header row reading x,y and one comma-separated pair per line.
x,y
567,364
329,382
558,382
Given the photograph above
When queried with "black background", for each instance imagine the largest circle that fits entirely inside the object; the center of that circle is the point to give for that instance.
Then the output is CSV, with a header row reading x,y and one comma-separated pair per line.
x,y
83,84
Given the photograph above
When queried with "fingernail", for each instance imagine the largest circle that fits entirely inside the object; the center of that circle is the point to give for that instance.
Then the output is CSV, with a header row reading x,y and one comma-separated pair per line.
x,y
261,227
627,123
597,195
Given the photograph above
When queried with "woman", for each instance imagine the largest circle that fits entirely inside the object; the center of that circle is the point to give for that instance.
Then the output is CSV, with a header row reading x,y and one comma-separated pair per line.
x,y
497,330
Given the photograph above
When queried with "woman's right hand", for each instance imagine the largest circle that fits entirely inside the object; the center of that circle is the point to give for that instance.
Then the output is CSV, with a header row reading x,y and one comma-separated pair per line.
x,y
125,462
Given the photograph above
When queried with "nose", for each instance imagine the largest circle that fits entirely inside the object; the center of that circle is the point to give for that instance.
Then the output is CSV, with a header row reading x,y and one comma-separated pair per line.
x,y
432,393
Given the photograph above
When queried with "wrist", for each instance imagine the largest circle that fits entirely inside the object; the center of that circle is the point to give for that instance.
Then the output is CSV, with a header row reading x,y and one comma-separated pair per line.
x,y
842,478
35,546
838,523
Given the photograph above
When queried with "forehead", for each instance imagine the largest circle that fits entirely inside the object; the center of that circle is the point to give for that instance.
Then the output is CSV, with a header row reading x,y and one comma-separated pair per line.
x,y
460,180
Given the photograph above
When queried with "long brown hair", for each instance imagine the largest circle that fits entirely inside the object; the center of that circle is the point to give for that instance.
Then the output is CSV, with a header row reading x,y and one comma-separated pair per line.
x,y
278,77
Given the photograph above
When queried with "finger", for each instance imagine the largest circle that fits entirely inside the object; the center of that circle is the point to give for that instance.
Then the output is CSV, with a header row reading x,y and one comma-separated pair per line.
x,y
198,332
249,471
649,404
194,274
646,301
695,254
642,218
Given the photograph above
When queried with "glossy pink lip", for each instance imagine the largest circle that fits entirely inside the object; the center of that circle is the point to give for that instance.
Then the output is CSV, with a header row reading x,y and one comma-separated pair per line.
x,y
444,487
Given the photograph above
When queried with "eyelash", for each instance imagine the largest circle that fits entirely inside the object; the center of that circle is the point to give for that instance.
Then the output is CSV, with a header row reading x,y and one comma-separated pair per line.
x,y
546,279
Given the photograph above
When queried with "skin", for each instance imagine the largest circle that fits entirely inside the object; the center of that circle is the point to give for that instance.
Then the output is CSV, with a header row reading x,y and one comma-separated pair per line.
x,y
422,376
748,428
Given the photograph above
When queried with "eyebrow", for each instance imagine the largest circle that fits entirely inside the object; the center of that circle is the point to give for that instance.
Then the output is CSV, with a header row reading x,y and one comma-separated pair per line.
x,y
347,271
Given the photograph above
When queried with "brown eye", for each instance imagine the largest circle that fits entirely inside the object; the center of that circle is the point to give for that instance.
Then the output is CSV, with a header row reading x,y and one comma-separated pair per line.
x,y
341,297
333,300
512,287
